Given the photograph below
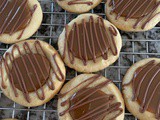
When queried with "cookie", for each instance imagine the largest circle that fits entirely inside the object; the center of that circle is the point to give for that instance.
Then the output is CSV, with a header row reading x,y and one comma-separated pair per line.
x,y
89,43
20,19
90,97
141,87
78,6
31,73
133,15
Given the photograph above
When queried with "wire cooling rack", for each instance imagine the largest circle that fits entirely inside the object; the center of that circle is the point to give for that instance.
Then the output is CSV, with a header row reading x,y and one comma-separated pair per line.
x,y
136,46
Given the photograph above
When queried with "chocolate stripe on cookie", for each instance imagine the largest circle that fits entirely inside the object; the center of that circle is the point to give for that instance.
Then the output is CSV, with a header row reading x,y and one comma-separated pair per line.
x,y
90,40
30,71
91,103
146,87
15,15
142,10
73,2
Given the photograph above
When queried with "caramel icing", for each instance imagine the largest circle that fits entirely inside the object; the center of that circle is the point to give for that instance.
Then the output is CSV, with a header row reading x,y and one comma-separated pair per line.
x,y
146,87
15,15
136,9
30,71
91,103
89,40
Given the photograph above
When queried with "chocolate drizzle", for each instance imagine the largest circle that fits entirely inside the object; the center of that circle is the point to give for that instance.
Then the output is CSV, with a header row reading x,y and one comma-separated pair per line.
x,y
91,103
90,40
142,10
30,71
15,15
74,2
146,87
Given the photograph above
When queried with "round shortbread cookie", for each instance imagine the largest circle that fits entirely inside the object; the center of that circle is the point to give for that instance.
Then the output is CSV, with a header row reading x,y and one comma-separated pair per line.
x,y
141,89
90,96
133,15
78,6
89,43
32,73
20,19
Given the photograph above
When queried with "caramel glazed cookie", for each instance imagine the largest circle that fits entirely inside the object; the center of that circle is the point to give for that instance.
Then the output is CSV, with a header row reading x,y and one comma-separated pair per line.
x,y
32,72
89,43
78,6
133,15
19,19
90,97
141,86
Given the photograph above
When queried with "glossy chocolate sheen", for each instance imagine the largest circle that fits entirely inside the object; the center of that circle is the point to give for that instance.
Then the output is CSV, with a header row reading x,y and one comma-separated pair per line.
x,y
14,15
91,39
26,69
134,8
95,106
146,87
83,109
91,103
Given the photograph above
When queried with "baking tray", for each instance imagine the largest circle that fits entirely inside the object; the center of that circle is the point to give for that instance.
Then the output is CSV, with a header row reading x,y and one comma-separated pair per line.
x,y
136,46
